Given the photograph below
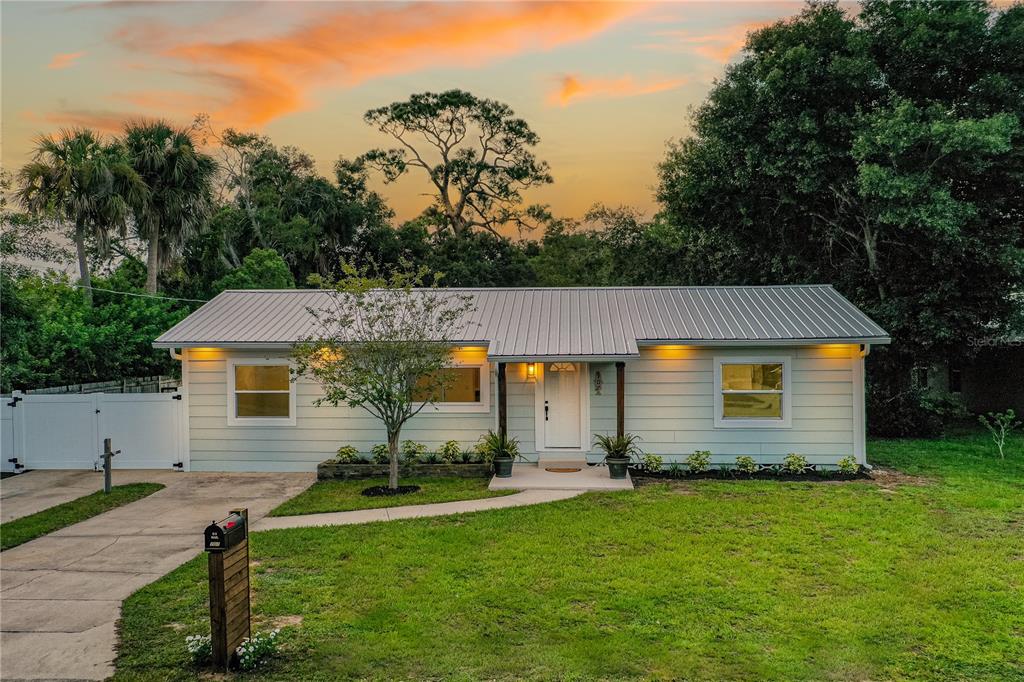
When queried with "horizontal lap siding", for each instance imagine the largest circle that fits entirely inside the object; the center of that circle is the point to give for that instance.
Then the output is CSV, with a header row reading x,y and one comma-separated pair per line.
x,y
670,405
319,431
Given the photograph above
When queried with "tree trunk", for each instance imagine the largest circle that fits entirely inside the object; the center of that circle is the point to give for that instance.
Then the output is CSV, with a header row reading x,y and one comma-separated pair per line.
x,y
83,265
871,248
153,261
393,459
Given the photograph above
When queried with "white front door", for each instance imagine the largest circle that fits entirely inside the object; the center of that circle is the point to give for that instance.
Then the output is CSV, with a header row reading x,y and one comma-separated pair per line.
x,y
562,404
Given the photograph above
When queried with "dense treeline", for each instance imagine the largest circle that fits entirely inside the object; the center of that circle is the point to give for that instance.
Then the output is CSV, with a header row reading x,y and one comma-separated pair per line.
x,y
879,151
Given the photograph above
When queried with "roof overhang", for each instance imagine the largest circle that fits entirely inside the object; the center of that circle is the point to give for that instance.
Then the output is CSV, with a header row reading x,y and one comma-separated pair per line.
x,y
873,340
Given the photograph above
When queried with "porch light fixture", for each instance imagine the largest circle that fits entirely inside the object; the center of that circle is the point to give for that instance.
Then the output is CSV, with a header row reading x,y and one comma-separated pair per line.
x,y
531,370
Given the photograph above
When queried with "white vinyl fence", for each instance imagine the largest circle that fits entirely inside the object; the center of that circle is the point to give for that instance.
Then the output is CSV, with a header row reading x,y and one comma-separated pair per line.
x,y
42,431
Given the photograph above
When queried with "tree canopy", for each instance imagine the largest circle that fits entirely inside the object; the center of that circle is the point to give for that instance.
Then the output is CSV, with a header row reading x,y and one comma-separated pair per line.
x,y
476,153
881,152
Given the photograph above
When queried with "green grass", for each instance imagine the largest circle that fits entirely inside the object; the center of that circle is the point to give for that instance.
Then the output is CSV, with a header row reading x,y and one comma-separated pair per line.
x,y
18,531
748,580
335,496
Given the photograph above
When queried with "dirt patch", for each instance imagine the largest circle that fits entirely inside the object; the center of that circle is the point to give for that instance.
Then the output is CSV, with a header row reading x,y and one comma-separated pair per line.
x,y
889,479
278,622
177,627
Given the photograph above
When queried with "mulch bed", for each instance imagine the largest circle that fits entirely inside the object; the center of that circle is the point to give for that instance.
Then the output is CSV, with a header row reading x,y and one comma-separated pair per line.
x,y
642,476
384,491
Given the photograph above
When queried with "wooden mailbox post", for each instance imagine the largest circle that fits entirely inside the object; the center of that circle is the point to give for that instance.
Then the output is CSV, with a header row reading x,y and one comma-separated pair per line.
x,y
227,545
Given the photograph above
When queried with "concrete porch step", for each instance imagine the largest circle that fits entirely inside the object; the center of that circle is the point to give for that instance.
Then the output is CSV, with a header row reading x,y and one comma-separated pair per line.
x,y
561,459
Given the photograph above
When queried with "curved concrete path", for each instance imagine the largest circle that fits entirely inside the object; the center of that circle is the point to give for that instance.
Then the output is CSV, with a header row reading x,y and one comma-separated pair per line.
x,y
414,511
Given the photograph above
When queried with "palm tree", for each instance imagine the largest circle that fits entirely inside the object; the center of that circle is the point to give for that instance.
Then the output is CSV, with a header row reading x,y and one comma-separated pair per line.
x,y
180,180
78,178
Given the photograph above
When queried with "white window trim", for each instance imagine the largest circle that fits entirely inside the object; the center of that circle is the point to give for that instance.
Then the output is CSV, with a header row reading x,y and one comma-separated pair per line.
x,y
233,419
485,393
787,392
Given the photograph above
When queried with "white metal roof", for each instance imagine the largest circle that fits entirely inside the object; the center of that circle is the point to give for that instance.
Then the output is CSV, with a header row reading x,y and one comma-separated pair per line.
x,y
608,322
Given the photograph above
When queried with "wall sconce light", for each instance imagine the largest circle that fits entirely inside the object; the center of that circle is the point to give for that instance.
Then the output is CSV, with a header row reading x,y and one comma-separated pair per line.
x,y
531,370
598,382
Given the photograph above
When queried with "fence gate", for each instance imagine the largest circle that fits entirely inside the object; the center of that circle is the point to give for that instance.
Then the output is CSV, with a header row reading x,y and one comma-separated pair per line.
x,y
67,431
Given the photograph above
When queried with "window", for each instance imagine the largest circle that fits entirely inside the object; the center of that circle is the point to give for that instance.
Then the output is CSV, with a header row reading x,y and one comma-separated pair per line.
x,y
752,392
956,379
919,377
261,392
466,389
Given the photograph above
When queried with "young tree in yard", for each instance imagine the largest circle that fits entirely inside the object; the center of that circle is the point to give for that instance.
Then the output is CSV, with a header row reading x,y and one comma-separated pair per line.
x,y
382,343
477,155
78,179
180,181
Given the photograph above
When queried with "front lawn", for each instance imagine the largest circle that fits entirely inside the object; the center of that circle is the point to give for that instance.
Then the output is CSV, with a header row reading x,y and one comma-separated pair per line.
x,y
699,580
18,531
335,496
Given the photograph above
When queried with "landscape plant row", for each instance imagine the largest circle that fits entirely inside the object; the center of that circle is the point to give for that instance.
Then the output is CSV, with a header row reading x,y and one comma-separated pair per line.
x,y
412,452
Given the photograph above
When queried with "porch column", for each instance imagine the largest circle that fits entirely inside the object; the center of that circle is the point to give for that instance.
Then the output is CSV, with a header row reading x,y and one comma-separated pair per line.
x,y
502,400
620,398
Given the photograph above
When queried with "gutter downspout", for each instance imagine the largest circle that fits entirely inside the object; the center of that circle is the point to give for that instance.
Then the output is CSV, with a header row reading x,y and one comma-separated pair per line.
x,y
175,356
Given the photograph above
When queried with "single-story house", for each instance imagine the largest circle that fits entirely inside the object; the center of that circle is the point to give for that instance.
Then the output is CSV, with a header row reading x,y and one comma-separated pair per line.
x,y
752,370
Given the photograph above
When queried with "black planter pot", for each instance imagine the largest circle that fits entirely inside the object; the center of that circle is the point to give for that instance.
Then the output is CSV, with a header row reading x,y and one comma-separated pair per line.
x,y
503,467
617,466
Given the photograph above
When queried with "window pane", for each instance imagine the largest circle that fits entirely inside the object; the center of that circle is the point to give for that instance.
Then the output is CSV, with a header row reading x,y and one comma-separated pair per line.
x,y
422,390
752,377
752,405
262,404
464,386
261,377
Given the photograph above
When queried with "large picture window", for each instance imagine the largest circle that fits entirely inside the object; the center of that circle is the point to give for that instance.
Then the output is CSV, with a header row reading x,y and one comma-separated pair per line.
x,y
261,392
752,392
465,389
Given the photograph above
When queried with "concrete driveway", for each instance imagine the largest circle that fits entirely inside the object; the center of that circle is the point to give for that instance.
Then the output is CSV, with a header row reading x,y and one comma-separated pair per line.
x,y
60,595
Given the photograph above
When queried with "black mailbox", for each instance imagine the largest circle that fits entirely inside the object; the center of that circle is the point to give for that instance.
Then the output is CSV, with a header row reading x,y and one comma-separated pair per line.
x,y
222,535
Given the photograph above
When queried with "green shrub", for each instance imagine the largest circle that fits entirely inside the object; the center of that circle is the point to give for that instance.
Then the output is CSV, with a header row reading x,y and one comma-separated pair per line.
x,y
200,648
618,447
848,465
379,454
347,454
494,445
699,461
746,464
431,458
652,463
412,451
911,413
451,452
794,464
675,470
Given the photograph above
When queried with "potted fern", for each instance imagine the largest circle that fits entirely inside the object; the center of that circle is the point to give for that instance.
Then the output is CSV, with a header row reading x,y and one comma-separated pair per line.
x,y
618,450
501,450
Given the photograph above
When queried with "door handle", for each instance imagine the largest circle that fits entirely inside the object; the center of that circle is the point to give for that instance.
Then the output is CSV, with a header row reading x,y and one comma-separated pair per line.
x,y
545,410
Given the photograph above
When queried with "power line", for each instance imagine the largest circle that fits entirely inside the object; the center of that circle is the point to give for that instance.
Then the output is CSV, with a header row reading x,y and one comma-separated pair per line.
x,y
125,293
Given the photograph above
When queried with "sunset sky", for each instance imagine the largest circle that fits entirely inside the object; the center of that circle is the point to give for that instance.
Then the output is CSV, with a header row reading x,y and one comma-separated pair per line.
x,y
604,84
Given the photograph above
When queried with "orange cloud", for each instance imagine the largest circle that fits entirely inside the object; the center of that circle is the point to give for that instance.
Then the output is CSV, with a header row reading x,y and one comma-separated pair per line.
x,y
102,120
260,79
719,47
64,60
573,87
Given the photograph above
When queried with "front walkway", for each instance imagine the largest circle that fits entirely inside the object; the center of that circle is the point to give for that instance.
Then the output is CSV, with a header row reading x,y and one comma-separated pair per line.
x,y
60,595
415,511
527,476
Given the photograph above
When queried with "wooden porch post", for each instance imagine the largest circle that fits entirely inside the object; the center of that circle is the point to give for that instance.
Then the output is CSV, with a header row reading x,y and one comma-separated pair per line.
x,y
502,400
620,398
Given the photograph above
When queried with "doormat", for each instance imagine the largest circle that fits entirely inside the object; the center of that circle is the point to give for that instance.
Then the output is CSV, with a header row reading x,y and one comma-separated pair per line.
x,y
561,470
